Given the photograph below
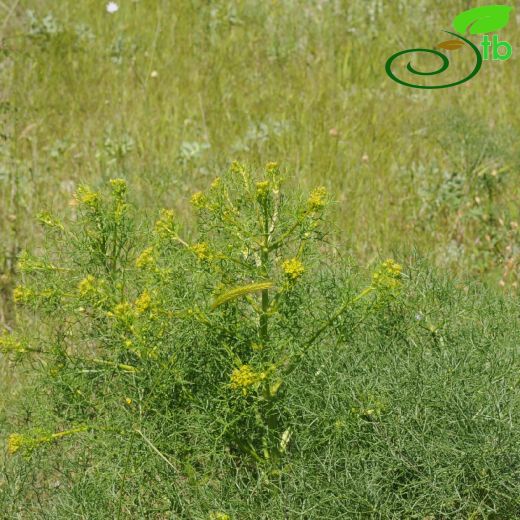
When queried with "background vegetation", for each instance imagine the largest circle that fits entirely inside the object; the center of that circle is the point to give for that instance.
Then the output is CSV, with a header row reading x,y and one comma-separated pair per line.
x,y
166,95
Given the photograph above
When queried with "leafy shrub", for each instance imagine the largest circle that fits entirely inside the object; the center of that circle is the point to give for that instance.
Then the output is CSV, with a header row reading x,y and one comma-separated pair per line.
x,y
248,372
152,325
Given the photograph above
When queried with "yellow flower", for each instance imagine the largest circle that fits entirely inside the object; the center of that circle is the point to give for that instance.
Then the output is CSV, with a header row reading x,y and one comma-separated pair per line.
x,y
122,311
165,226
339,424
142,304
199,200
15,441
9,344
272,167
262,189
293,268
87,197
87,286
145,259
387,276
22,294
218,515
49,220
119,187
375,409
392,267
93,290
316,200
128,401
244,377
237,168
216,183
201,251
152,354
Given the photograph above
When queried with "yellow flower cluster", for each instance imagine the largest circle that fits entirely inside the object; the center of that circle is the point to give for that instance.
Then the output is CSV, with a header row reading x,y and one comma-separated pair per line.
x,y
88,286
218,515
262,189
49,220
9,344
372,409
201,251
143,303
93,290
316,200
146,259
272,167
237,168
387,276
199,200
216,183
119,187
22,294
244,377
165,226
367,412
17,441
123,311
87,197
293,268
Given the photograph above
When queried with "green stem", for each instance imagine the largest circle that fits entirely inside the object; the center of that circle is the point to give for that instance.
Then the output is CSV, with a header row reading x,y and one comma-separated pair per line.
x,y
291,361
337,314
264,258
282,240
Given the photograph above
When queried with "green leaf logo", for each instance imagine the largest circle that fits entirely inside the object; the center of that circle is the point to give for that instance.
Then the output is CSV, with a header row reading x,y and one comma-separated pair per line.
x,y
488,18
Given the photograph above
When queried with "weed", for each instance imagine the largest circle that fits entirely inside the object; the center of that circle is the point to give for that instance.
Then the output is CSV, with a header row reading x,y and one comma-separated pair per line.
x,y
111,305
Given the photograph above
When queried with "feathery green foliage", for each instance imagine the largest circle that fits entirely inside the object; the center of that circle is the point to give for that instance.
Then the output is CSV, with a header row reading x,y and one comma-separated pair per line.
x,y
327,394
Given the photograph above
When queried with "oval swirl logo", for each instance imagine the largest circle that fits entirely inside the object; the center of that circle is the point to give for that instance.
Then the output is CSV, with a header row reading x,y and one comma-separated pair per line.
x,y
479,20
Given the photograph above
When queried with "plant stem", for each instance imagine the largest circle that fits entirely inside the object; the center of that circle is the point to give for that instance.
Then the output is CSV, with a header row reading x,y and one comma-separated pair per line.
x,y
337,314
292,361
264,258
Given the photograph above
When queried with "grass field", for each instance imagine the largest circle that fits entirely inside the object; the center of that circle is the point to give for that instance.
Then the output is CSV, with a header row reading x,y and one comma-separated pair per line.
x,y
410,414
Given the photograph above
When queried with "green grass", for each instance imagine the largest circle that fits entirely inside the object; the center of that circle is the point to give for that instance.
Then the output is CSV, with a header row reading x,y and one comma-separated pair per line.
x,y
166,95
400,404
238,80
389,421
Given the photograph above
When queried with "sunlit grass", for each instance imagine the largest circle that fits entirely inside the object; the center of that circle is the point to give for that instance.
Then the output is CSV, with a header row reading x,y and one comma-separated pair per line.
x,y
166,94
